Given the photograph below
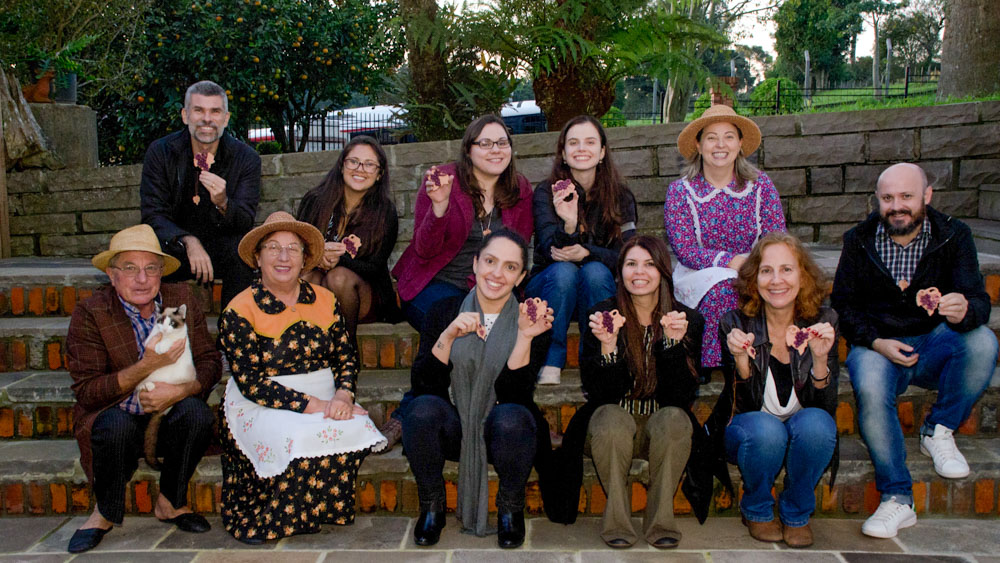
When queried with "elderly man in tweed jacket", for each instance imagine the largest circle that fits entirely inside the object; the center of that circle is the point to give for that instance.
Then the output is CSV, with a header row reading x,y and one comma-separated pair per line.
x,y
107,359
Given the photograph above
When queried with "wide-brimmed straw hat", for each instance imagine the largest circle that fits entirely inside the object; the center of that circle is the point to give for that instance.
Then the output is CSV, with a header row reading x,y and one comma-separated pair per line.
x,y
687,141
283,221
140,238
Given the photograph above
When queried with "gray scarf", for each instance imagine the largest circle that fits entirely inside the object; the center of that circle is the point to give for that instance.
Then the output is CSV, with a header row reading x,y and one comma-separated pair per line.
x,y
476,365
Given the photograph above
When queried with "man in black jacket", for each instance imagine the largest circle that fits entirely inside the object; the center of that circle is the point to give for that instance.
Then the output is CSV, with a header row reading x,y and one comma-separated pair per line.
x,y
199,191
900,333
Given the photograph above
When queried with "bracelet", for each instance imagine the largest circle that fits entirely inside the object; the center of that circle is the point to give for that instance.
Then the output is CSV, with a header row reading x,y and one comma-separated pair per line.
x,y
817,379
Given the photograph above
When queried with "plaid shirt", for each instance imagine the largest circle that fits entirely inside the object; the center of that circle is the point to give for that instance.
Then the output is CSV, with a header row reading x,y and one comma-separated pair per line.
x,y
141,327
902,260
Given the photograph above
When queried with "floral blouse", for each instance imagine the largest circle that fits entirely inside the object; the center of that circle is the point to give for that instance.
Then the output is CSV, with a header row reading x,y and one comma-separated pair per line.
x,y
263,338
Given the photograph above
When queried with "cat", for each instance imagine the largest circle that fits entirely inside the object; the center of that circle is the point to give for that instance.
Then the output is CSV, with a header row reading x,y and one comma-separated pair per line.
x,y
171,324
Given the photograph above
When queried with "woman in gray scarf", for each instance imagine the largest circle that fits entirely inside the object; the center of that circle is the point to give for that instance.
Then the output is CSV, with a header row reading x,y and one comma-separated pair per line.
x,y
474,377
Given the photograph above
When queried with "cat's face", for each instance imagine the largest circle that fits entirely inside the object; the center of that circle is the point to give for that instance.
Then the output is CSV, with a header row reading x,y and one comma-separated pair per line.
x,y
172,318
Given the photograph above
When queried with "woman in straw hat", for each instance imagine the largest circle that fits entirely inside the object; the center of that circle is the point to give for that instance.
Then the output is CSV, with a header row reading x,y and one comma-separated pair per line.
x,y
715,213
293,438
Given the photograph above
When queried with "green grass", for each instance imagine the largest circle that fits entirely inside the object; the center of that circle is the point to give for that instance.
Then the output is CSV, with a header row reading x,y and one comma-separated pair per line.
x,y
851,95
923,100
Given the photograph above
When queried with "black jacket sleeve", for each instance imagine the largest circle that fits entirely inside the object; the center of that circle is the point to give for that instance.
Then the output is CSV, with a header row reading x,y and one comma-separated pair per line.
x,y
156,203
848,287
968,280
370,265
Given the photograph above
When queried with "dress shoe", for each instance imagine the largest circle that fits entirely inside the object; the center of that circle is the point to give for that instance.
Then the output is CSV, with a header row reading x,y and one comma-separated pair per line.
x,y
618,543
666,542
510,529
256,540
428,529
85,540
189,522
801,536
764,531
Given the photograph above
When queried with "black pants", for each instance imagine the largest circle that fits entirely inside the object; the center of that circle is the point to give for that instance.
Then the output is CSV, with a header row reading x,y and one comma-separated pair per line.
x,y
226,264
432,433
116,440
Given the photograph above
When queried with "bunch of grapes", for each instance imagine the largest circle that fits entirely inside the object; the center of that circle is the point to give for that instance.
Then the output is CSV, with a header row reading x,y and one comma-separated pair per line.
x,y
201,160
350,247
608,320
531,309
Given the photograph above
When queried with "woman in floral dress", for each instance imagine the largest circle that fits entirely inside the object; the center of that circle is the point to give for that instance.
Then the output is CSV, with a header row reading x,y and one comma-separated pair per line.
x,y
715,213
292,437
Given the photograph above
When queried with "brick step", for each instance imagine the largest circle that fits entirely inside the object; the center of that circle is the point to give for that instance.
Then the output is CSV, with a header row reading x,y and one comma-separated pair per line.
x,y
45,477
38,404
43,287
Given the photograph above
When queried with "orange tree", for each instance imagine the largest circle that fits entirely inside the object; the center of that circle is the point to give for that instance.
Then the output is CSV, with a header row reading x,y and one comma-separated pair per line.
x,y
281,62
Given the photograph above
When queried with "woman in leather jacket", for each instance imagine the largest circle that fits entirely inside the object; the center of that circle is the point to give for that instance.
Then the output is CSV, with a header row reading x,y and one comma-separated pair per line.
x,y
778,404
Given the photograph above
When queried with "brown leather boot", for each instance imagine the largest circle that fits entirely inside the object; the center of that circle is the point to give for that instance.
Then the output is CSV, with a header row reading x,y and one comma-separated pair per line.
x,y
764,531
798,537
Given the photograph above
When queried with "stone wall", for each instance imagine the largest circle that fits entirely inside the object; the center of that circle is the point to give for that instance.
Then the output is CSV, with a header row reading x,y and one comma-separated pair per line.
x,y
824,166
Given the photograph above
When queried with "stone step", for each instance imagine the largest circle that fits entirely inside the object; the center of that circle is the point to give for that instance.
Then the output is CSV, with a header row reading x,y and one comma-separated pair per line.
x,y
45,477
37,287
986,231
39,404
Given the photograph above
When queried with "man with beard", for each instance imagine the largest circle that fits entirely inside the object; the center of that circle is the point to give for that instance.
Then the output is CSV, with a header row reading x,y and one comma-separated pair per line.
x,y
899,338
199,191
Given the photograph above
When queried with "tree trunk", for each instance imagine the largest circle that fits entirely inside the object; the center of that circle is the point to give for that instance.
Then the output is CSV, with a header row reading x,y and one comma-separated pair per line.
x,y
876,76
557,93
970,53
428,70
675,101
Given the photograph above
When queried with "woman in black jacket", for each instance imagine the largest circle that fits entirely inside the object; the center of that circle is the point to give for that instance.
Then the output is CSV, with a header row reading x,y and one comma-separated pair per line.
x,y
474,381
779,401
351,207
583,213
640,378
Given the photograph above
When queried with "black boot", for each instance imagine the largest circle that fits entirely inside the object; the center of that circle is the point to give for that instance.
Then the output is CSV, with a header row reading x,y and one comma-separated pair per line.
x,y
428,529
510,529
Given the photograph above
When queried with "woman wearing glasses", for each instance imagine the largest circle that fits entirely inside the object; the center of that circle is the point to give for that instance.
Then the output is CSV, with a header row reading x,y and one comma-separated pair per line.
x,y
292,436
353,199
583,213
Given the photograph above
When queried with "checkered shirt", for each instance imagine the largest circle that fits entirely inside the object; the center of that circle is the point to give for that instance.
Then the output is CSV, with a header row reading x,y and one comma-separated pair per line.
x,y
141,327
902,260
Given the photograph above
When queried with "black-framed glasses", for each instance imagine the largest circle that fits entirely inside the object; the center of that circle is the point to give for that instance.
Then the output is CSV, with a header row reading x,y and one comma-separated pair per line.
x,y
487,144
274,249
369,166
131,270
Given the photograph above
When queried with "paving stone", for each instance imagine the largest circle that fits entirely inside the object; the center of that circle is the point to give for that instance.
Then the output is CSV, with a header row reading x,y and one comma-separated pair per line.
x,y
22,558
951,536
845,535
21,533
583,534
633,556
908,558
135,534
216,538
717,533
261,557
421,556
133,556
366,533
771,556
514,556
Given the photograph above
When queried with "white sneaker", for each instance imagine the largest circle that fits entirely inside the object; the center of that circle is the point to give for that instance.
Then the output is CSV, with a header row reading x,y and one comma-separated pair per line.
x,y
888,519
549,375
948,461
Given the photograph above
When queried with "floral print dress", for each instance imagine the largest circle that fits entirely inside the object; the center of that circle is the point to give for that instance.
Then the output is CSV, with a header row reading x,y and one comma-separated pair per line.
x,y
707,227
263,338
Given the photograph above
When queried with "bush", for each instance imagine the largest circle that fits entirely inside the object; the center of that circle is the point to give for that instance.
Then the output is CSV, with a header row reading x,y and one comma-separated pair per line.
x,y
764,96
614,118
268,147
703,102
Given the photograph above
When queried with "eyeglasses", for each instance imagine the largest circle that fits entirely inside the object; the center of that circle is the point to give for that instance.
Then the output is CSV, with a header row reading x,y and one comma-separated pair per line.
x,y
131,270
369,166
487,144
274,249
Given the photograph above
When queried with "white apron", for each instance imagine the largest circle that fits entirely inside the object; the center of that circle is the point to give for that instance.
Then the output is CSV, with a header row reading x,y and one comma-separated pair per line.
x,y
272,438
690,286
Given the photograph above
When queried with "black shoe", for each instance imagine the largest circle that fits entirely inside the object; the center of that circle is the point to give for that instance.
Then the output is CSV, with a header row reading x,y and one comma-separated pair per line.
x,y
256,540
428,529
85,540
189,522
510,529
666,542
618,543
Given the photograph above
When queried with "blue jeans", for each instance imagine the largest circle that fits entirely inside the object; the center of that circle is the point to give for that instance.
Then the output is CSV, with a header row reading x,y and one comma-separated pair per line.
x,y
569,287
435,291
959,365
760,444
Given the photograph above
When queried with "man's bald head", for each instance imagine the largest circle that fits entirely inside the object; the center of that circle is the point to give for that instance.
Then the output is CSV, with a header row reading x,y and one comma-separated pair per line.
x,y
903,195
904,173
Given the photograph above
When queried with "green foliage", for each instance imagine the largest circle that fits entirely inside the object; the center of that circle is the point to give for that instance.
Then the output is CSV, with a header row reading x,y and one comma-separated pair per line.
x,y
268,147
614,118
703,102
764,96
822,27
281,62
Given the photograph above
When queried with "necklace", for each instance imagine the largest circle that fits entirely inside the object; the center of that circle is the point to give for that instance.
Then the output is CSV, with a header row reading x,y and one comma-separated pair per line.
x,y
486,230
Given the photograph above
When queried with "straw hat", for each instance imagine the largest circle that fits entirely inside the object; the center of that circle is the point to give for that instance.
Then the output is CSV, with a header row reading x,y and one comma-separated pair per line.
x,y
687,141
141,238
283,221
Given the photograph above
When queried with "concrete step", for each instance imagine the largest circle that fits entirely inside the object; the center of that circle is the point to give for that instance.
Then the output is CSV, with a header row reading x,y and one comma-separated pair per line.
x,y
986,233
45,477
38,404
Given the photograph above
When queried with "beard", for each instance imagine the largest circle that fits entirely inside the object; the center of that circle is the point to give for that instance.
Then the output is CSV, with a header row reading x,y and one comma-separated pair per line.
x,y
917,220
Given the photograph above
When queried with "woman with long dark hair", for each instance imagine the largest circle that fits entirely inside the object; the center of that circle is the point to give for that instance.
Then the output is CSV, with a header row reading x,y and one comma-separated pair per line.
x,y
639,373
583,213
353,209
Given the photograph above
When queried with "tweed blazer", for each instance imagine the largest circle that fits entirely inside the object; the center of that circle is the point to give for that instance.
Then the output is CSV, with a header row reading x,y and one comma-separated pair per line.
x,y
101,342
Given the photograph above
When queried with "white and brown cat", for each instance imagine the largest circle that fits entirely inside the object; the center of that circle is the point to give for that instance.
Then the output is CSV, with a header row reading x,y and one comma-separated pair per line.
x,y
171,323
